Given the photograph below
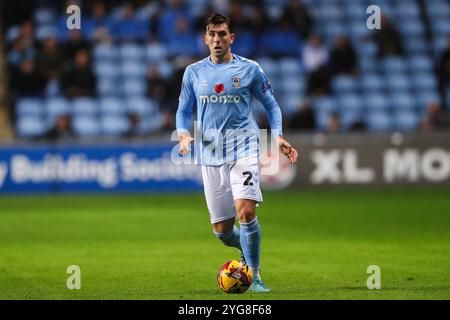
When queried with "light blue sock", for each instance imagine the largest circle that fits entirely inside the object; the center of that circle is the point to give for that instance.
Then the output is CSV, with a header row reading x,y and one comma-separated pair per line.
x,y
230,238
251,244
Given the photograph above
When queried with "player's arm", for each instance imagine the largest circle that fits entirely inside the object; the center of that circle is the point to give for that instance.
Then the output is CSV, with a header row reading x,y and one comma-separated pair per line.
x,y
262,90
184,113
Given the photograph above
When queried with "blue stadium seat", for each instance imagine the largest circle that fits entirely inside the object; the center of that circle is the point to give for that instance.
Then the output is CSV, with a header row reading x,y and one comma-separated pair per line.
x,y
440,25
142,106
408,9
30,106
324,104
404,102
112,106
358,29
376,102
132,51
45,31
348,118
411,28
331,31
406,120
85,106
133,69
133,87
394,65
156,52
290,103
438,8
372,83
322,119
367,64
292,85
366,49
289,66
86,125
30,126
421,63
106,86
398,82
379,121
114,124
269,66
105,52
416,45
356,10
440,43
425,80
350,103
330,11
43,16
344,84
151,124
106,69
57,106
424,97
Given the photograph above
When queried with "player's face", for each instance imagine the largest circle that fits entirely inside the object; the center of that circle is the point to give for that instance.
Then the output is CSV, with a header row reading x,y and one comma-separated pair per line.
x,y
219,39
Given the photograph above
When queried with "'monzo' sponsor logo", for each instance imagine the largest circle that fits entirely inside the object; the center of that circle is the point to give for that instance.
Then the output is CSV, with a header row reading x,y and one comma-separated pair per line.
x,y
220,99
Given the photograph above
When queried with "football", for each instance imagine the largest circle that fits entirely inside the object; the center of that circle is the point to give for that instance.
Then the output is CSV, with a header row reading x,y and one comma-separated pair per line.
x,y
233,277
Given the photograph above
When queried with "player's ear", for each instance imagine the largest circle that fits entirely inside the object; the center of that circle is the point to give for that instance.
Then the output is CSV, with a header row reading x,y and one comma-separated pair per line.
x,y
231,38
205,38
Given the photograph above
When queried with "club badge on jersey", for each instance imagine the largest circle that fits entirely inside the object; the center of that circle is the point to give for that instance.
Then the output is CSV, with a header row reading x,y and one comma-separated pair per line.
x,y
236,82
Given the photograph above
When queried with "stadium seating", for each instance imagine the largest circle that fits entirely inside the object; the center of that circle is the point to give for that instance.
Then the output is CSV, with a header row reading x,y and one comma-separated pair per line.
x,y
387,93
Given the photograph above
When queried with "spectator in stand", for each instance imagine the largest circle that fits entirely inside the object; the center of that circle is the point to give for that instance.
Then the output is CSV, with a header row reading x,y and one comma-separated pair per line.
x,y
26,80
299,16
97,20
334,123
319,82
244,43
435,118
280,41
183,41
49,59
304,118
314,54
343,57
74,44
388,39
62,129
126,27
23,46
259,20
156,85
78,80
135,129
169,17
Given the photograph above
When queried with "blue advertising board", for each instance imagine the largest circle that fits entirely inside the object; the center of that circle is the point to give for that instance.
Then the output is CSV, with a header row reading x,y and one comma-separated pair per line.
x,y
63,168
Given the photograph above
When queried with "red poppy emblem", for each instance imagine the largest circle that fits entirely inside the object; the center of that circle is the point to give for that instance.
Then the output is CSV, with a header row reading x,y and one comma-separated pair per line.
x,y
219,88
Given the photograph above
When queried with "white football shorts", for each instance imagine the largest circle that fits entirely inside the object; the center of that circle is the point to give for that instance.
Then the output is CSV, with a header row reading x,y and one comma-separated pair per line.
x,y
228,182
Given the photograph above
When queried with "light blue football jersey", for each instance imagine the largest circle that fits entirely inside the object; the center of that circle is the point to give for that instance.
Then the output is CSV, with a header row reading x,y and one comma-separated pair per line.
x,y
225,129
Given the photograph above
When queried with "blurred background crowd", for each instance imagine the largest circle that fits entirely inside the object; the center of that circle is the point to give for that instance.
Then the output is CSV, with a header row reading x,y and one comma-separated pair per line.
x,y
120,74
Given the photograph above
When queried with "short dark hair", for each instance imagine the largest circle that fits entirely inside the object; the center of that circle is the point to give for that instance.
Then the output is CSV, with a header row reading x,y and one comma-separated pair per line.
x,y
218,18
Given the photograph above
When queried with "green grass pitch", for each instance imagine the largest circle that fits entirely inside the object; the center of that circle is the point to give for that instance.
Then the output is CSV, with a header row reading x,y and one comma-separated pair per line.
x,y
316,245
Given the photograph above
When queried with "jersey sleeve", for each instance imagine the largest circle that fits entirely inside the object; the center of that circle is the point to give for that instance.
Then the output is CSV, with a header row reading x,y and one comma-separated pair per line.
x,y
262,90
186,102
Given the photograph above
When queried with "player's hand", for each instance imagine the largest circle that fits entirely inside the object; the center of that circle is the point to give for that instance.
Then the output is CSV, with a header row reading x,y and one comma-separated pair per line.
x,y
185,141
288,150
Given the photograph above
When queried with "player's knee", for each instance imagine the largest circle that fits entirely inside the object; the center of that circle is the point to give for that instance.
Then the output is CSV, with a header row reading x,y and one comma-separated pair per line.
x,y
246,214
